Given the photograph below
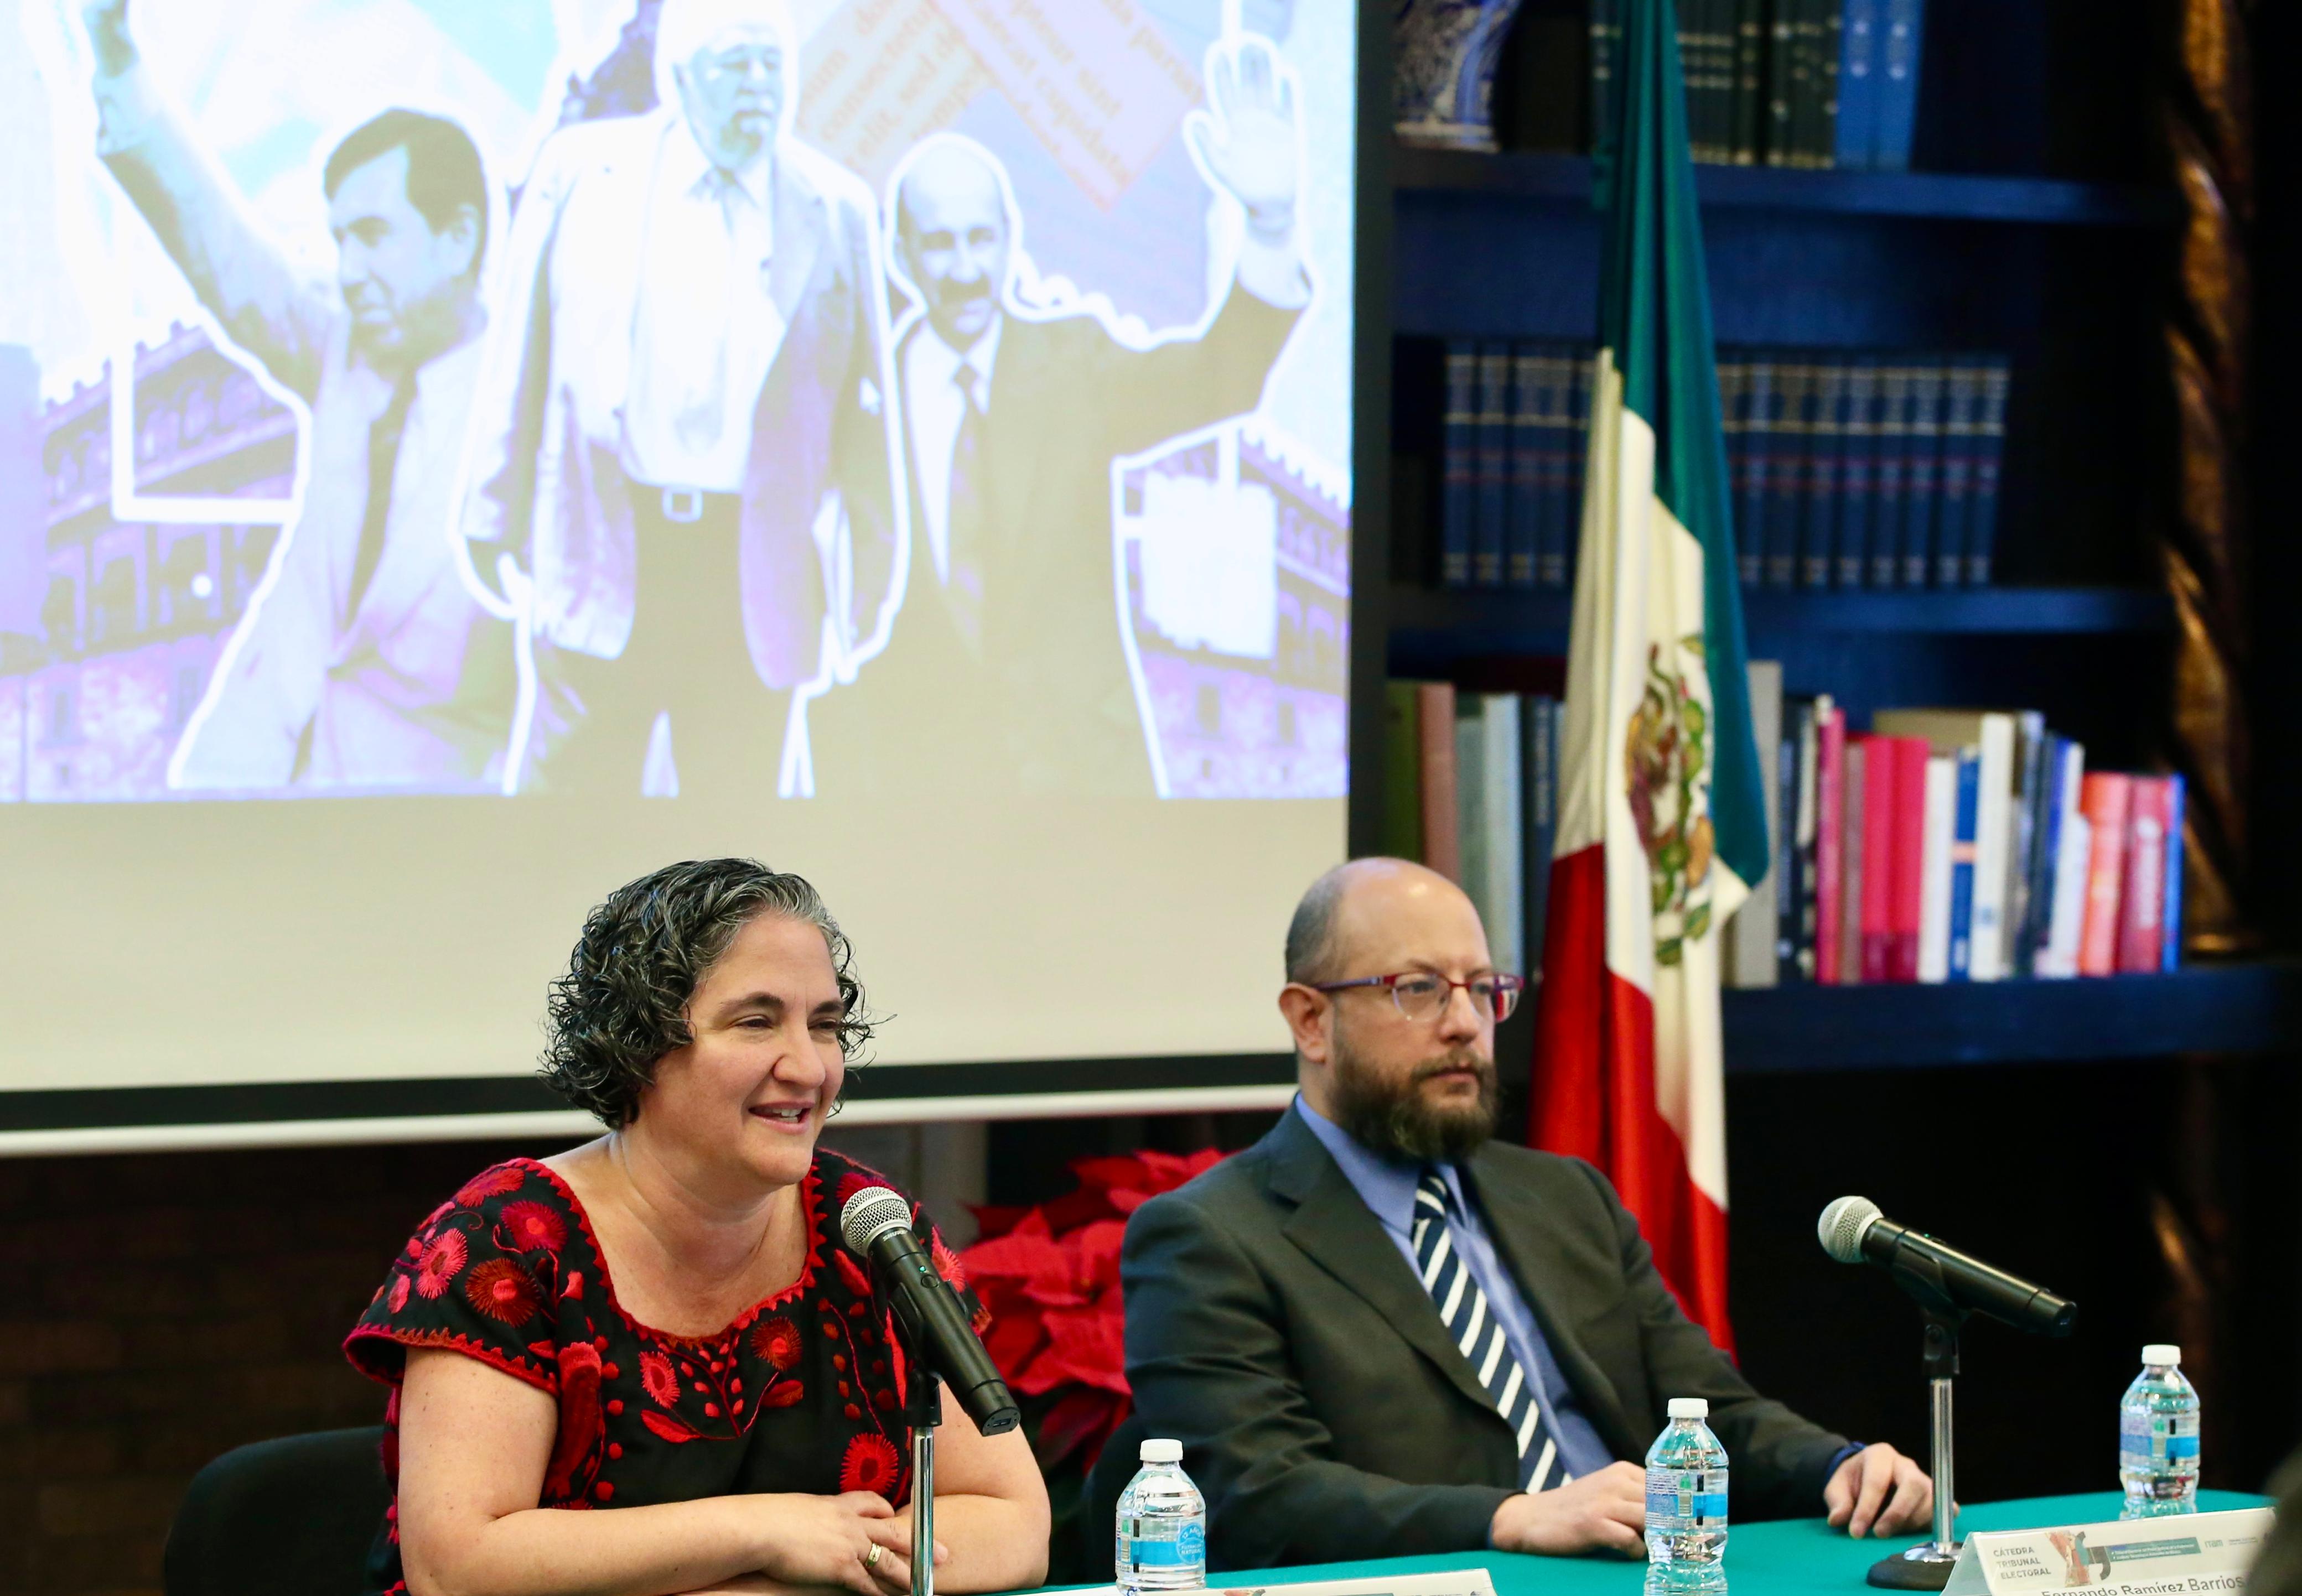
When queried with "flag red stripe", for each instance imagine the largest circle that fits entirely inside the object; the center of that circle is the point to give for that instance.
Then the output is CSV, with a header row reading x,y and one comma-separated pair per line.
x,y
1594,1093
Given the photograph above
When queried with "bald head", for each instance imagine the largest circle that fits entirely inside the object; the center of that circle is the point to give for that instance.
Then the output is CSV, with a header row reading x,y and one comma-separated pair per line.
x,y
954,230
1368,904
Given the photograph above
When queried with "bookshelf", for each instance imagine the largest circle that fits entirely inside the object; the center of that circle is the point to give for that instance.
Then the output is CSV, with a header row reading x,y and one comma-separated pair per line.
x,y
2039,222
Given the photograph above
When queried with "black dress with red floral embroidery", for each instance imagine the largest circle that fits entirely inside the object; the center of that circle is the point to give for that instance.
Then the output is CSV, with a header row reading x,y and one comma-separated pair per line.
x,y
803,1392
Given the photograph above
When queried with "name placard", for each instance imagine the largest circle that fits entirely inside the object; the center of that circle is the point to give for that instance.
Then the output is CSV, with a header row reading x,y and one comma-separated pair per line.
x,y
2197,1554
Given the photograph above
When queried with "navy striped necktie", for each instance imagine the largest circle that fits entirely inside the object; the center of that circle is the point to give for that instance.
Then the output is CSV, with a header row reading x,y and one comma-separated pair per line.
x,y
1478,1334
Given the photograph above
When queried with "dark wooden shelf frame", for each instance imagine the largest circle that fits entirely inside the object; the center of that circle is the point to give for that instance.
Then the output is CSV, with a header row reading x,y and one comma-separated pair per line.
x,y
2202,1009
1937,195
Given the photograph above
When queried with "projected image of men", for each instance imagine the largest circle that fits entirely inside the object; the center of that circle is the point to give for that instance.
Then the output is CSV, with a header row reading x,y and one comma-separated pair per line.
x,y
1007,669
365,661
683,444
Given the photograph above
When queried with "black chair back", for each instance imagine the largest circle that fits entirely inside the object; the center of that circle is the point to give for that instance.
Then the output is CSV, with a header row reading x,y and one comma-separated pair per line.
x,y
294,1517
1099,1502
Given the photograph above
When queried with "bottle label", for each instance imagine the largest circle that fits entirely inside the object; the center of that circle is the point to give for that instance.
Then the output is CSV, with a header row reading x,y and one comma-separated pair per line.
x,y
1689,1498
1161,1543
2148,1439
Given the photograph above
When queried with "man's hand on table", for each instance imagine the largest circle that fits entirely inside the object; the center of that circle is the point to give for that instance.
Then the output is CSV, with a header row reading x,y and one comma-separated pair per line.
x,y
1878,1492
1602,1512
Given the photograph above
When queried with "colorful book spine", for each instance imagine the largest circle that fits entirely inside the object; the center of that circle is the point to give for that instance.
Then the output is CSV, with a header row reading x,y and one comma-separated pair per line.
x,y
1491,530
1551,569
2073,859
1879,763
1539,798
1939,824
1990,442
1578,450
2104,801
1527,436
1830,817
2028,821
1786,472
1965,850
1762,418
2056,799
1853,829
1992,841
2170,955
2142,897
1906,906
1502,901
1858,85
1750,80
1606,39
1827,48
1735,423
1825,440
1458,503
1921,468
1434,734
1858,461
1954,492
1891,443
1793,760
1781,87
1897,112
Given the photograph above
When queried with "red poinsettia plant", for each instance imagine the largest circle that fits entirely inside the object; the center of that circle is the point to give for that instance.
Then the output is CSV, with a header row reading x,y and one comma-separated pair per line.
x,y
1049,1275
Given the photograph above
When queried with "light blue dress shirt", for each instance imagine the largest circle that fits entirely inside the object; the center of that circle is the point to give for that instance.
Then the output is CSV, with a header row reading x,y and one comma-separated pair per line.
x,y
1387,1186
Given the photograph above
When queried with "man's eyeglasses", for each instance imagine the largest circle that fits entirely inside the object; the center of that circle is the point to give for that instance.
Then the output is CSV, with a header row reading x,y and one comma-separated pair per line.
x,y
1423,996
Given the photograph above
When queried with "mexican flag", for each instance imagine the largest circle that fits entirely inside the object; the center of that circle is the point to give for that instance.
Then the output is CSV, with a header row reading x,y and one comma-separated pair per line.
x,y
1660,828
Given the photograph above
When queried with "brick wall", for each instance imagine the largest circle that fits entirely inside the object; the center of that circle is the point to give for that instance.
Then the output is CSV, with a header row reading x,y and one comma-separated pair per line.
x,y
157,1310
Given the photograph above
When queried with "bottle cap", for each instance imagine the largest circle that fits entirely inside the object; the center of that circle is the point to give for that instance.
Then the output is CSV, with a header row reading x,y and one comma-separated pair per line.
x,y
1689,1408
2162,1352
1162,1451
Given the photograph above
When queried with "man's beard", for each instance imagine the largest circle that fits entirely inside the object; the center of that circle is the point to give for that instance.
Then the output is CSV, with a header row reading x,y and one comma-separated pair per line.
x,y
1396,1119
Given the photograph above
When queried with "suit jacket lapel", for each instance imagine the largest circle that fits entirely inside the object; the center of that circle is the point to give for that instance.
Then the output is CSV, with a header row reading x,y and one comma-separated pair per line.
x,y
1529,1246
1334,1229
1015,426
799,237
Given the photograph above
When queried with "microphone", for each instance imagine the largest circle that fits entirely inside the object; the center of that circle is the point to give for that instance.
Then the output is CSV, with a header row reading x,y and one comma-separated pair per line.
x,y
1853,1231
876,1225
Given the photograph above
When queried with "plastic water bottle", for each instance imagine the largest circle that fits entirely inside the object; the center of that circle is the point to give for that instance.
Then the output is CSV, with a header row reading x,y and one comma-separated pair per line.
x,y
2158,1438
1162,1525
1686,1505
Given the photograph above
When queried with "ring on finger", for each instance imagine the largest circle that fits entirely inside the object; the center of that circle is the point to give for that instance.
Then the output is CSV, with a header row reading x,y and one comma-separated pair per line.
x,y
872,1558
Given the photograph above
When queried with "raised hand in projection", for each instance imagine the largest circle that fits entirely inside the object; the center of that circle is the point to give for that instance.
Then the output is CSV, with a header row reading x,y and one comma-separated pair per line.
x,y
1248,143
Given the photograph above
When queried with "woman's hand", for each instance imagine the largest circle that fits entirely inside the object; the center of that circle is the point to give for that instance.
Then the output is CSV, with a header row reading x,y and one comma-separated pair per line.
x,y
854,1541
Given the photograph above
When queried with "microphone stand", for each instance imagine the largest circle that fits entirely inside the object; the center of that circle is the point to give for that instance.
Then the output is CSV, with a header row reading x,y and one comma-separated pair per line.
x,y
1928,1567
922,1412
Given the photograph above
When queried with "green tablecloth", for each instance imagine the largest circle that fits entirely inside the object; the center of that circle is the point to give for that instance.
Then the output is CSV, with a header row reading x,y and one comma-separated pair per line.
x,y
1794,1558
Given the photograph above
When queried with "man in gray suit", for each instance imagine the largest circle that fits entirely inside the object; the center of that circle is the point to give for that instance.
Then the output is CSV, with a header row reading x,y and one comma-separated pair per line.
x,y
680,447
1377,1332
363,662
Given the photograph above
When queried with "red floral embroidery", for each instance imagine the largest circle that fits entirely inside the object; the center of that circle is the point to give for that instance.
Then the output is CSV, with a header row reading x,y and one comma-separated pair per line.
x,y
947,1265
851,1272
488,1183
777,1339
503,1292
581,1427
443,1261
535,1227
400,1284
670,1429
783,1393
657,1379
870,1464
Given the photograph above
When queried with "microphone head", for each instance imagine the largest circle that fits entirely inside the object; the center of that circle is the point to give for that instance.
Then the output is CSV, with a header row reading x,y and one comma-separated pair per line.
x,y
1842,1225
870,1215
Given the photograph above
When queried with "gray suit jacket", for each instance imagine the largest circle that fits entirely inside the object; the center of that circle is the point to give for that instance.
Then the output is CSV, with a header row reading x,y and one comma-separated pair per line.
x,y
1274,1330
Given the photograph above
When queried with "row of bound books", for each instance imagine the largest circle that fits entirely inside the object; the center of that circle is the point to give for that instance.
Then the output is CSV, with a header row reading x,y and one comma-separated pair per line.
x,y
1801,83
1942,845
1844,471
1953,845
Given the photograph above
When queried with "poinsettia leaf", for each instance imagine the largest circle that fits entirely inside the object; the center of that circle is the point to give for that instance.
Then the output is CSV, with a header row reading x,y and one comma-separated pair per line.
x,y
1079,1421
995,1220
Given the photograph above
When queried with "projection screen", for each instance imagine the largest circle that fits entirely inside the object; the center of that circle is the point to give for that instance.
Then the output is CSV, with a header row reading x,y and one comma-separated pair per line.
x,y
455,458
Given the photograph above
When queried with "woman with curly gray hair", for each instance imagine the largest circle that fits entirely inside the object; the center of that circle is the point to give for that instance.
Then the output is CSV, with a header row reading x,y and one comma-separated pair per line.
x,y
663,1321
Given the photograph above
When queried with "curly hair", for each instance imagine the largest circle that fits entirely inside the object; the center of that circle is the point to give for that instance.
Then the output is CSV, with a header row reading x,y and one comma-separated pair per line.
x,y
623,1004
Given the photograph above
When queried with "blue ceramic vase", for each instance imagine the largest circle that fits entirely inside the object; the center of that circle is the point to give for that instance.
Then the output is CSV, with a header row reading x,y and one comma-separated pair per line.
x,y
1443,70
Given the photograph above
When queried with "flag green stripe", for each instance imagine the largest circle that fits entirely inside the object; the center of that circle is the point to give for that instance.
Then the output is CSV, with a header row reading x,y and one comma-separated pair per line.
x,y
1655,315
